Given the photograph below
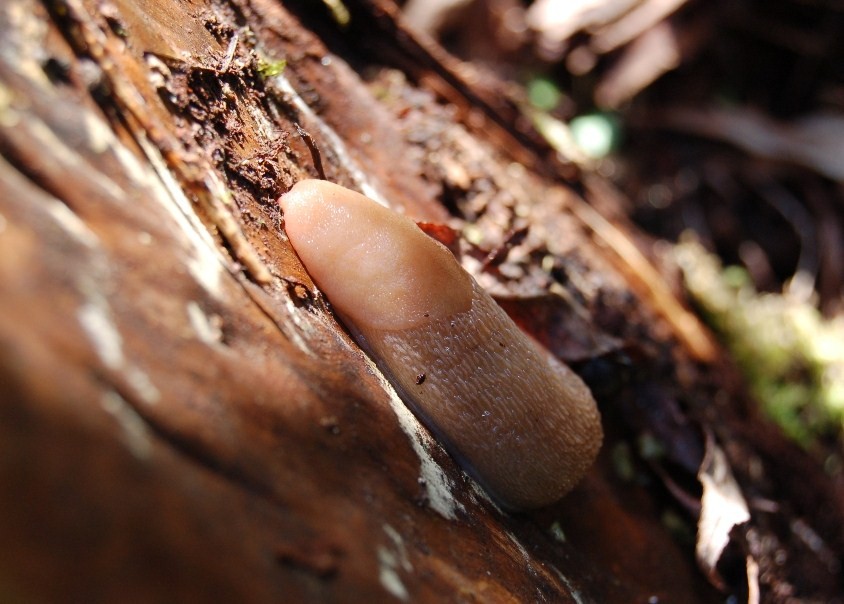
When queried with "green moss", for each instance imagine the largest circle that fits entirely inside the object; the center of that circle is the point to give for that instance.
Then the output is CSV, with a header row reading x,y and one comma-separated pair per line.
x,y
792,356
543,93
339,12
597,134
269,68
584,140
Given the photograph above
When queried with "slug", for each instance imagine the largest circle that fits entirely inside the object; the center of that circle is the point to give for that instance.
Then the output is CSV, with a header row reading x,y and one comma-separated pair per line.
x,y
518,421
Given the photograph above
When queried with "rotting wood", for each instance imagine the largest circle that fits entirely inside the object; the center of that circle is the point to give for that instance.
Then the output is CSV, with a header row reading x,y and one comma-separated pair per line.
x,y
172,430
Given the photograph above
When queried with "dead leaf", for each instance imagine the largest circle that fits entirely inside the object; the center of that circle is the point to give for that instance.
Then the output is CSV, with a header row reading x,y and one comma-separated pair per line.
x,y
722,508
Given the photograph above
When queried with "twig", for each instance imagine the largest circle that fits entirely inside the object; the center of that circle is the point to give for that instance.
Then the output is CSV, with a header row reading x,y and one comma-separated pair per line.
x,y
312,146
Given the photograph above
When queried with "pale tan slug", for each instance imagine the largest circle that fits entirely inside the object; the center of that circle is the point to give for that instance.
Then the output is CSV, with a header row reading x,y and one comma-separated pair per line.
x,y
523,424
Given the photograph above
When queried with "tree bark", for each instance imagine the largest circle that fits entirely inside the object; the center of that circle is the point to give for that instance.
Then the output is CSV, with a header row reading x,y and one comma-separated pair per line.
x,y
184,419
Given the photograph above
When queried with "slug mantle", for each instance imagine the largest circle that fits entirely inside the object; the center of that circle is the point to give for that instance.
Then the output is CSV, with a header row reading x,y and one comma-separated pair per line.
x,y
519,421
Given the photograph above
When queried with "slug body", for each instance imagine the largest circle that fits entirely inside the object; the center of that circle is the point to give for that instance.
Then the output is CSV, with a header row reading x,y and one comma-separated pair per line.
x,y
520,422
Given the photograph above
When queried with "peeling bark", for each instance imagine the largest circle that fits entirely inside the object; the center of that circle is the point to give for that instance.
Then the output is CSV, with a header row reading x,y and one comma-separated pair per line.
x,y
183,418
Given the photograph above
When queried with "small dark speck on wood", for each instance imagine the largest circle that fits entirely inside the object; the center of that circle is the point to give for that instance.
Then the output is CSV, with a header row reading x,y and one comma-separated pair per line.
x,y
420,378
